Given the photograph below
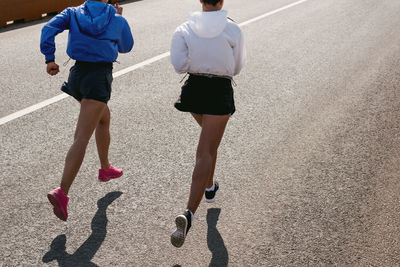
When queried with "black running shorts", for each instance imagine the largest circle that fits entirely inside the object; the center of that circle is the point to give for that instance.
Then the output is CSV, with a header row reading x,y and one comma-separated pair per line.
x,y
89,80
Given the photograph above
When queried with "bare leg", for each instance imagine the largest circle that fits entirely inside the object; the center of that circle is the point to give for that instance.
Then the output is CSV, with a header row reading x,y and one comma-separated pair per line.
x,y
212,130
198,118
89,117
210,182
103,138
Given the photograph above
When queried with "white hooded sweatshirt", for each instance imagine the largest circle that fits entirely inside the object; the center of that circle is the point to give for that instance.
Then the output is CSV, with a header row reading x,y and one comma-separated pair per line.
x,y
208,43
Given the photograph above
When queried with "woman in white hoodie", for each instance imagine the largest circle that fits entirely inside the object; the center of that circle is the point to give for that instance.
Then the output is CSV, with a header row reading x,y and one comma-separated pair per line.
x,y
209,47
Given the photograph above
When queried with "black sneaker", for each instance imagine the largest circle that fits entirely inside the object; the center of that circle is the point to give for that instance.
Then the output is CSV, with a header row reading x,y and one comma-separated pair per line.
x,y
183,224
210,195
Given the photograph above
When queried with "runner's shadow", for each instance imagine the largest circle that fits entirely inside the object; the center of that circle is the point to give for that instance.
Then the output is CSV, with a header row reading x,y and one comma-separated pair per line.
x,y
215,242
84,254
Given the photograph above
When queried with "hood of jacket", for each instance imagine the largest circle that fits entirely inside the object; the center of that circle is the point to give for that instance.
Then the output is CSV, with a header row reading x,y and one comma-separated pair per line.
x,y
93,17
208,24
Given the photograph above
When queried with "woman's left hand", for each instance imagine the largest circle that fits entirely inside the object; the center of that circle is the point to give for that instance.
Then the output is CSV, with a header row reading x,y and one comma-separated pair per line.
x,y
118,8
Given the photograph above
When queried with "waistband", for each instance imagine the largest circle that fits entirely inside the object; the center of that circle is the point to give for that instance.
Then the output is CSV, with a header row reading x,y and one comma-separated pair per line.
x,y
99,64
208,75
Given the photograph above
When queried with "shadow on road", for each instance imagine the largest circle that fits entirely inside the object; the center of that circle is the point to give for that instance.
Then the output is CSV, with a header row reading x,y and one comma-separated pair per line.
x,y
84,254
215,242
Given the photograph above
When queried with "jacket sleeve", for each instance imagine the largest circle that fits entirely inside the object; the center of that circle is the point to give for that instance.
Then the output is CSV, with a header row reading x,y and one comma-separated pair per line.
x,y
55,26
125,41
239,52
179,52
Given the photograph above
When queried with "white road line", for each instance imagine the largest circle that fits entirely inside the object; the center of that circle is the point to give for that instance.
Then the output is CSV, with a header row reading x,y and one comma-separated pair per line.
x,y
33,108
140,65
57,98
271,13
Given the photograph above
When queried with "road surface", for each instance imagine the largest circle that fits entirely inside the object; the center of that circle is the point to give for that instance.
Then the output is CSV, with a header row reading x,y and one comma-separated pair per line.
x,y
308,168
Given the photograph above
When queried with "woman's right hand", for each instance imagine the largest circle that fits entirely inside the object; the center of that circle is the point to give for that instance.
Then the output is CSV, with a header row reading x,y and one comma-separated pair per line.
x,y
52,68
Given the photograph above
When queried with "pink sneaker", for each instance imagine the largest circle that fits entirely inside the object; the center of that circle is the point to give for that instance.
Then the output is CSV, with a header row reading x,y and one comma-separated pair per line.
x,y
111,173
59,202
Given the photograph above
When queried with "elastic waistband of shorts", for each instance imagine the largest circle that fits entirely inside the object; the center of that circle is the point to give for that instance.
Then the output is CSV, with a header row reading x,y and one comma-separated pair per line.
x,y
100,64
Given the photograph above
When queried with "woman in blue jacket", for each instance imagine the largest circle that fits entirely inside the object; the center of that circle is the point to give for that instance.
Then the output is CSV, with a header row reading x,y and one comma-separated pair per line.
x,y
97,32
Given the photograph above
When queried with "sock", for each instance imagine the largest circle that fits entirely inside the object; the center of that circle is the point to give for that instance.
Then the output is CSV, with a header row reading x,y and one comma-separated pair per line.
x,y
191,215
211,188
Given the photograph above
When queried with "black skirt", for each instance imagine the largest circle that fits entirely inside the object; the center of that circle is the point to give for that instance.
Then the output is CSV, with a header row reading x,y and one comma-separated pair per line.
x,y
207,95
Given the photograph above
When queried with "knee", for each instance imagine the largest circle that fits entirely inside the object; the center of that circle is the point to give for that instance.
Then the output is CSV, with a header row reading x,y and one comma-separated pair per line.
x,y
206,152
204,157
105,118
105,121
81,140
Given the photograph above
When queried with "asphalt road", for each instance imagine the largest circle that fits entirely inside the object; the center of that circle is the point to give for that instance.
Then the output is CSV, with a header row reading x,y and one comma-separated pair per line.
x,y
309,166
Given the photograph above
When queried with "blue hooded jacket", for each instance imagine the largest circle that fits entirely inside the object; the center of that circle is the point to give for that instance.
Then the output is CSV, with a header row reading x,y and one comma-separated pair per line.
x,y
96,33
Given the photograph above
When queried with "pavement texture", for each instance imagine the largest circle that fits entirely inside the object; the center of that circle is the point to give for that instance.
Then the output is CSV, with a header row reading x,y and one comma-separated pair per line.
x,y
308,168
